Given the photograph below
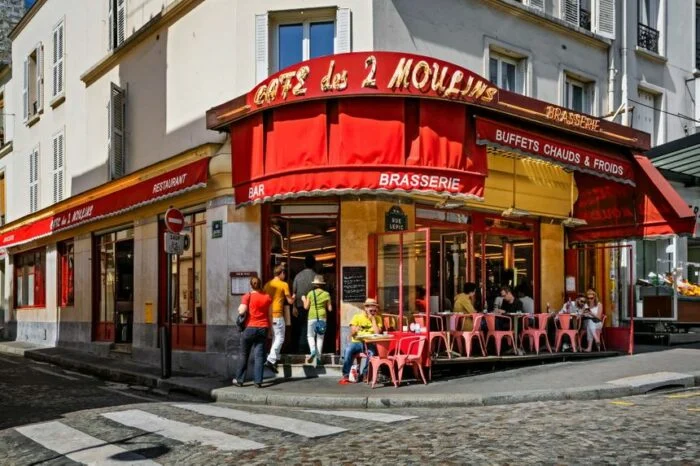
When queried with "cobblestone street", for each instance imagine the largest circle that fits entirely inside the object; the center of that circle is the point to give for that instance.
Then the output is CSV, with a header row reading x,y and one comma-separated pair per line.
x,y
658,427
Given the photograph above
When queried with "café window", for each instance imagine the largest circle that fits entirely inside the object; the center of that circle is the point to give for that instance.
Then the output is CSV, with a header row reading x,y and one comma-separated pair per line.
x,y
507,72
578,95
65,273
30,276
285,38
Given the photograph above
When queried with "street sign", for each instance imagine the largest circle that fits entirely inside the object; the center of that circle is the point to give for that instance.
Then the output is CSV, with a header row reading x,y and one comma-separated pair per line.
x,y
174,243
174,220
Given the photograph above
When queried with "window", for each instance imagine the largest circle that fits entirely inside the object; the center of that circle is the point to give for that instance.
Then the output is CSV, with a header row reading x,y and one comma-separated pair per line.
x,y
299,36
648,28
117,23
116,124
30,270
57,61
2,118
34,180
3,196
593,15
578,95
647,114
58,170
65,273
536,4
697,36
33,83
507,73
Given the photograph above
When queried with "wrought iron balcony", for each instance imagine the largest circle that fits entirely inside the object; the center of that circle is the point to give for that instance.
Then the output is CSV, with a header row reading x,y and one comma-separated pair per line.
x,y
648,38
584,18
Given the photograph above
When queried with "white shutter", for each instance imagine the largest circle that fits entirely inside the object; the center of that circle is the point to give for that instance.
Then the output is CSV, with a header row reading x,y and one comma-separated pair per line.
x,y
116,146
571,11
537,4
58,161
262,60
34,181
121,21
604,21
343,31
39,78
110,24
57,66
25,90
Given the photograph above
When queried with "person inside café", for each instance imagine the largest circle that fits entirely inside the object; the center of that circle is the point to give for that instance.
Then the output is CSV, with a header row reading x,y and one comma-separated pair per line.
x,y
509,304
592,319
464,303
574,307
367,322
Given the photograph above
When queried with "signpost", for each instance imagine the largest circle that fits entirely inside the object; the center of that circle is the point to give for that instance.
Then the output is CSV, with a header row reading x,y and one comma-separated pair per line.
x,y
173,243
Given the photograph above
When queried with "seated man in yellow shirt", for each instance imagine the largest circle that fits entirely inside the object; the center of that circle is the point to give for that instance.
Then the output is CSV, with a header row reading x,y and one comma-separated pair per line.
x,y
367,322
464,304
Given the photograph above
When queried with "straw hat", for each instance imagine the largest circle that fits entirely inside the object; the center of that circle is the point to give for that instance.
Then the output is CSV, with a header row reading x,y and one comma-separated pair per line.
x,y
369,302
318,280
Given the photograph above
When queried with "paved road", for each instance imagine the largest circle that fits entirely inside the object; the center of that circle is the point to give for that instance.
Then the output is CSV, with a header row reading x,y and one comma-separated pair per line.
x,y
54,420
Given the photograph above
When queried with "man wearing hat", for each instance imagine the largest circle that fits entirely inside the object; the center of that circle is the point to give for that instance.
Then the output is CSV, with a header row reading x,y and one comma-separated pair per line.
x,y
318,303
367,322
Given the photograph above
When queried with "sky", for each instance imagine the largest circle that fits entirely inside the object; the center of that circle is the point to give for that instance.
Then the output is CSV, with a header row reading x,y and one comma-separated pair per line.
x,y
28,3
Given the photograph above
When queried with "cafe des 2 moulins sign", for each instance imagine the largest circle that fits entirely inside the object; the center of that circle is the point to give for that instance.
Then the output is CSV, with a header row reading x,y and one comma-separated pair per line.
x,y
395,220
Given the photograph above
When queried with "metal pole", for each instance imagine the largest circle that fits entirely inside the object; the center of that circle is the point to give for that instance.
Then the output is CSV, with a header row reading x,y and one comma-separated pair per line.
x,y
166,331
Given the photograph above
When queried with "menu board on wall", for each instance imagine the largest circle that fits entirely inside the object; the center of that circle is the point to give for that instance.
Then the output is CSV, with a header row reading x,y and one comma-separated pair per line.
x,y
354,284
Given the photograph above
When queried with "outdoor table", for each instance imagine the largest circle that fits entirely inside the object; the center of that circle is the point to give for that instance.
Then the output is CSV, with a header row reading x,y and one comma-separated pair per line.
x,y
446,321
382,342
515,318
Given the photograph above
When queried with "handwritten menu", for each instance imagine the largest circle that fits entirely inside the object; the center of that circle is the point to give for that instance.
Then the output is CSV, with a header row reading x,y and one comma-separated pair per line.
x,y
354,284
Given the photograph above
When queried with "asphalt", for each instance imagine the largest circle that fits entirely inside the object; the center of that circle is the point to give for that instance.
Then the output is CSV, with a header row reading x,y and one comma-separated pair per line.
x,y
574,380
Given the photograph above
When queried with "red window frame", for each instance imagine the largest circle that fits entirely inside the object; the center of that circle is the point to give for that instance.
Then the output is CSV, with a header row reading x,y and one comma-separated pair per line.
x,y
27,264
66,273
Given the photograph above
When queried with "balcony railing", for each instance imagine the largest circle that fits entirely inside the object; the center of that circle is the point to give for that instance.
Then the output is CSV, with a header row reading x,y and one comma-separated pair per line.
x,y
648,38
584,18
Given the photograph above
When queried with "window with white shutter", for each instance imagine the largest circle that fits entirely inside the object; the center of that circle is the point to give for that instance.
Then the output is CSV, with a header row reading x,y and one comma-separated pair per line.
x,y
536,4
34,180
57,70
39,78
579,95
25,90
116,109
296,37
33,84
604,23
570,11
58,166
117,23
649,26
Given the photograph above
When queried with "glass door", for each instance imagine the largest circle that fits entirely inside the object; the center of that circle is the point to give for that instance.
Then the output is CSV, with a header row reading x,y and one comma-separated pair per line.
x,y
454,249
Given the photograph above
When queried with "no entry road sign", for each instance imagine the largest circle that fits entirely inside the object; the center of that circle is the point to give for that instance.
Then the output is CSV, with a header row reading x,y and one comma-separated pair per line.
x,y
174,220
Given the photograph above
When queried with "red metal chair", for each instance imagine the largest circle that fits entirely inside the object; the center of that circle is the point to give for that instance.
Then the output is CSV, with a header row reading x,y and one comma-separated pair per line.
x,y
599,331
438,335
563,324
498,335
409,352
465,338
535,334
382,358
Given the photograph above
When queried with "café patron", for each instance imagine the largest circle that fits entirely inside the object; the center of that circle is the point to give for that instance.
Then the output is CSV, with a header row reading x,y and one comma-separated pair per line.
x,y
406,176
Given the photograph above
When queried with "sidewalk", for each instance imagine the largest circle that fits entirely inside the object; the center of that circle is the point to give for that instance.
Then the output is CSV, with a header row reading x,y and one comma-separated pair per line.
x,y
587,379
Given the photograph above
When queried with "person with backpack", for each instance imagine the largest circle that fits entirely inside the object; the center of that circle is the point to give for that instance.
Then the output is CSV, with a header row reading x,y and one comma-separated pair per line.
x,y
318,303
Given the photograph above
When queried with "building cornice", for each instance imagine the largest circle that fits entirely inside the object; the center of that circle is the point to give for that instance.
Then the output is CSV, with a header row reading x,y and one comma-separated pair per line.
x,y
550,22
26,19
164,18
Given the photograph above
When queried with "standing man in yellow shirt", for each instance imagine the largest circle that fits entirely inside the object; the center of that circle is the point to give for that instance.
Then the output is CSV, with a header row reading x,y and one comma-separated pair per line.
x,y
278,290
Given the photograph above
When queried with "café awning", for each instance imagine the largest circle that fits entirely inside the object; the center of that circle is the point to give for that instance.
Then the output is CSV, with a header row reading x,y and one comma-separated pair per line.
x,y
127,198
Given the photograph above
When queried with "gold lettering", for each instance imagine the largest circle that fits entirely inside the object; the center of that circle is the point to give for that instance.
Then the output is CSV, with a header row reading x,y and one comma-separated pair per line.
x,y
272,88
425,68
470,81
478,90
401,74
286,80
340,80
438,84
326,80
302,74
549,110
596,125
260,95
370,80
557,114
490,94
456,79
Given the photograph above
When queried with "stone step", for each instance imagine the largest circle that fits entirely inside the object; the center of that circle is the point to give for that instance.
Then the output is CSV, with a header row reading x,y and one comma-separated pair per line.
x,y
327,358
301,371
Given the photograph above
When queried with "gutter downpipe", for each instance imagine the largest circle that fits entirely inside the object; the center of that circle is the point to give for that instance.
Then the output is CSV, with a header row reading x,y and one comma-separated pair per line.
x,y
623,53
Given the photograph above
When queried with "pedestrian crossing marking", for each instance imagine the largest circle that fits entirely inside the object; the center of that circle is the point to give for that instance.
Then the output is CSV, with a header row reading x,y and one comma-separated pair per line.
x,y
286,424
46,371
364,415
622,403
181,431
78,446
684,395
695,410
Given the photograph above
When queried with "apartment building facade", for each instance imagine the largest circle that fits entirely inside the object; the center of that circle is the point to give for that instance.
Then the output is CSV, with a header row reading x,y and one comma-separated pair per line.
x,y
113,101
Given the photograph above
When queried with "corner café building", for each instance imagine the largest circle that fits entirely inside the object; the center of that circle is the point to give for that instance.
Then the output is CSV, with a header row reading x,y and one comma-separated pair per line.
x,y
404,176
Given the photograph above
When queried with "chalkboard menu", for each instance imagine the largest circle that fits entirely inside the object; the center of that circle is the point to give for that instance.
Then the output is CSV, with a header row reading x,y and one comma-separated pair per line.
x,y
354,284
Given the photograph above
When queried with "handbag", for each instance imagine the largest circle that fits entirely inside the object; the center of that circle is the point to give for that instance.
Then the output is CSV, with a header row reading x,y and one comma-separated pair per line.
x,y
320,325
241,320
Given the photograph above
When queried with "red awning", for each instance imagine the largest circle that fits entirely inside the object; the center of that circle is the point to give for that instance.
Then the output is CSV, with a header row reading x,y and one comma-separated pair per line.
x,y
166,185
356,146
578,156
615,211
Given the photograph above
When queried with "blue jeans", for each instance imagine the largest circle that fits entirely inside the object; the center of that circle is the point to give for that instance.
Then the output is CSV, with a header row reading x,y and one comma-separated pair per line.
x,y
252,338
351,351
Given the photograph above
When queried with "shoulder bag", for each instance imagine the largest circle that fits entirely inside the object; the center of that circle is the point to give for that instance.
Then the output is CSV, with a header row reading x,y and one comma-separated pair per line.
x,y
320,325
242,319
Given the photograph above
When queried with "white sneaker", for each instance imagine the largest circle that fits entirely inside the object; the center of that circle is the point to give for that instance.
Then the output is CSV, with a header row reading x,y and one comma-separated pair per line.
x,y
565,347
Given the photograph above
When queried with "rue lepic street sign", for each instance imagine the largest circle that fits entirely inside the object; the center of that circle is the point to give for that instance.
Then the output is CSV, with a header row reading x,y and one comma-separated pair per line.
x,y
174,220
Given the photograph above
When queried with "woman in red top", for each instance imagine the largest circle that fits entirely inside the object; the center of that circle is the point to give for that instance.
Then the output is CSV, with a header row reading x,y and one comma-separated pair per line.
x,y
257,305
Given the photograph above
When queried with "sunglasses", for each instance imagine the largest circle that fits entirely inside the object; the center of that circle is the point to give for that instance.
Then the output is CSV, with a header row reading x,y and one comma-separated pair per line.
x,y
590,297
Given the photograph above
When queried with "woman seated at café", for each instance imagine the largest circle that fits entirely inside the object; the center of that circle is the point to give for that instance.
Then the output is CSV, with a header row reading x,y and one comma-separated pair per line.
x,y
592,319
464,303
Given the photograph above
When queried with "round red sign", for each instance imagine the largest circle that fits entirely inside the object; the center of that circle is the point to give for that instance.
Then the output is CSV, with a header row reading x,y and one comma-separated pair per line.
x,y
174,220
